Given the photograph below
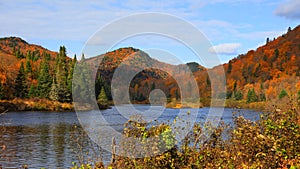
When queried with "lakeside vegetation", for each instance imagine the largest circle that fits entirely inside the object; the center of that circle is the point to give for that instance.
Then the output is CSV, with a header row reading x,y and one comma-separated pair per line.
x,y
271,142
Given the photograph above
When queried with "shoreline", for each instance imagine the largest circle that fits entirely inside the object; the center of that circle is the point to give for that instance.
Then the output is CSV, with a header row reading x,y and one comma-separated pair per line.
x,y
36,104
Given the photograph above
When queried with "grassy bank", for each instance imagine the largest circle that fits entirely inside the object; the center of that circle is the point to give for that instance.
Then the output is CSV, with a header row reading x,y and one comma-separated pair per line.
x,y
37,104
34,105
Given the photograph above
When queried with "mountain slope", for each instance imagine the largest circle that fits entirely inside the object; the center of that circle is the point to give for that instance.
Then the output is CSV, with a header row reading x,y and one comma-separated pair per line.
x,y
269,69
13,52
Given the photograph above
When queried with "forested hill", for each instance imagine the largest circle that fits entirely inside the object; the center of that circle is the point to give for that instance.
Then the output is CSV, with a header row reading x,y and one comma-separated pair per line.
x,y
269,70
268,73
28,70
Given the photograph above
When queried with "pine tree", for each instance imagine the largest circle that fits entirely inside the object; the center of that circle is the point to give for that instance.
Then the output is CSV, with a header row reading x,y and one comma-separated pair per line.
x,y
102,98
229,67
238,95
61,67
70,74
28,70
82,81
44,80
282,94
262,97
61,74
31,92
251,96
29,56
53,95
18,54
21,83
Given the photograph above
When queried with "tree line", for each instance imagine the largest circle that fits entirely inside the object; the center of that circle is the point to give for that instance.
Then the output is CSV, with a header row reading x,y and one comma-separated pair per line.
x,y
52,78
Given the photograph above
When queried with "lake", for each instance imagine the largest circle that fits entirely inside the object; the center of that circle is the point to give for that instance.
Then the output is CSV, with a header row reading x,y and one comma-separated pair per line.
x,y
54,139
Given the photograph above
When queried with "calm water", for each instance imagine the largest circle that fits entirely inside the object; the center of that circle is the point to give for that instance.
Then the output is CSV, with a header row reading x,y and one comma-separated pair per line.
x,y
49,139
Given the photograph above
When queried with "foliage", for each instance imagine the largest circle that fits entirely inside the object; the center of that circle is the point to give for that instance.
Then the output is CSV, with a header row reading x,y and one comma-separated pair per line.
x,y
44,80
271,142
251,96
102,98
32,92
282,94
238,95
21,83
54,92
82,78
61,75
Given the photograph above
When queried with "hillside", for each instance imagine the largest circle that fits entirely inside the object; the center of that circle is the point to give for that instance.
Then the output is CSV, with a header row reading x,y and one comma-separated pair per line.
x,y
15,51
148,73
266,74
268,70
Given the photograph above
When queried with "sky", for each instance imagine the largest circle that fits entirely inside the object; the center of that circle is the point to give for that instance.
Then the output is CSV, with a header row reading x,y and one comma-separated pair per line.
x,y
232,27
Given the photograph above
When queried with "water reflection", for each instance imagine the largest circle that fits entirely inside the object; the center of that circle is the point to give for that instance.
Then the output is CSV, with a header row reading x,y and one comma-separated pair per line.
x,y
35,146
43,139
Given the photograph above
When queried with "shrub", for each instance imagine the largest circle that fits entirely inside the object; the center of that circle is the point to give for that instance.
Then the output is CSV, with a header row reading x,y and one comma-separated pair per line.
x,y
271,142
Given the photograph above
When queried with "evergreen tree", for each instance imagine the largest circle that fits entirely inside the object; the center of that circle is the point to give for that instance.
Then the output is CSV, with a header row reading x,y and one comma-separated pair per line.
x,y
238,95
44,80
28,70
21,83
82,81
31,92
229,67
262,97
29,56
289,29
61,75
61,67
282,94
70,74
53,95
251,96
102,98
268,40
98,84
18,54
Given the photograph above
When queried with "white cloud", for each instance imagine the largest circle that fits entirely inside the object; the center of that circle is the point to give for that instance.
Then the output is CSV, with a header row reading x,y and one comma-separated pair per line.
x,y
225,48
289,9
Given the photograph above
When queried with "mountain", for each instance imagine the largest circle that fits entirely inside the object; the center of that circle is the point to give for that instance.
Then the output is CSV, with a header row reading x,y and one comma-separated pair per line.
x,y
145,72
15,51
270,72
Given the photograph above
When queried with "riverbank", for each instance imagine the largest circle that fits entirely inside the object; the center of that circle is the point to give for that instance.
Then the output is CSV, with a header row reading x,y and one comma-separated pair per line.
x,y
37,104
34,105
229,103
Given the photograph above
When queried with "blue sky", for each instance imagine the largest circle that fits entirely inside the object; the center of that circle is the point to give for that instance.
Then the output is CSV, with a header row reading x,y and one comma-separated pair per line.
x,y
232,26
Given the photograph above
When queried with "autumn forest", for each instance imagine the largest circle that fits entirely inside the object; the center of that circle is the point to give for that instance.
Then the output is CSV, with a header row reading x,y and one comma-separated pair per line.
x,y
267,74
